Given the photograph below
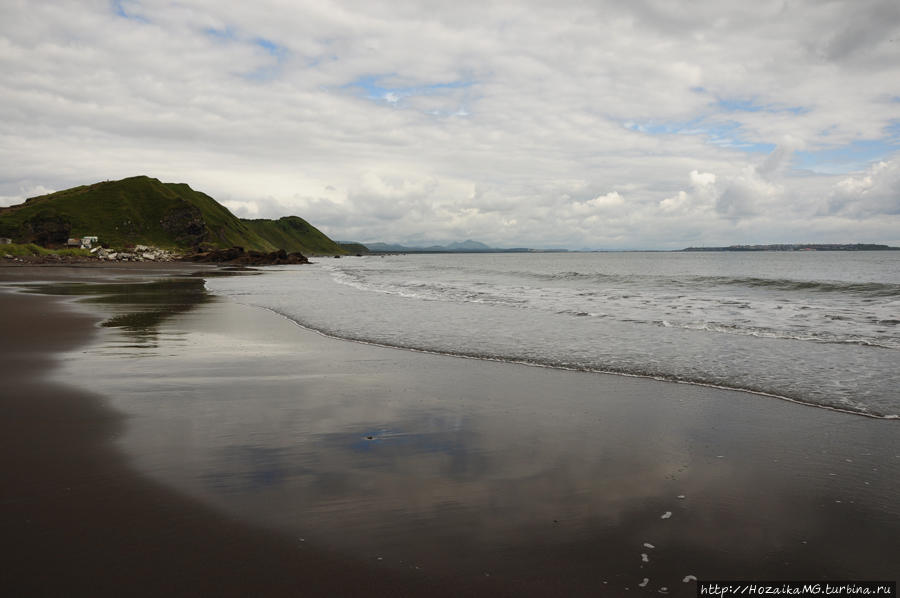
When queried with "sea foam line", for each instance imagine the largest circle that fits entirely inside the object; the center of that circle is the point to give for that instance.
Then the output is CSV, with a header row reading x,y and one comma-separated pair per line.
x,y
562,367
452,294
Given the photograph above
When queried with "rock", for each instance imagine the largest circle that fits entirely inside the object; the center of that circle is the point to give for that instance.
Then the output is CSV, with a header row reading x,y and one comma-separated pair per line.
x,y
237,255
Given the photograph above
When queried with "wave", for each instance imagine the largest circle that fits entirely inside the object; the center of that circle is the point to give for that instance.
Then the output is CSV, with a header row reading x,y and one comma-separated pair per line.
x,y
762,332
870,289
667,334
633,372
633,306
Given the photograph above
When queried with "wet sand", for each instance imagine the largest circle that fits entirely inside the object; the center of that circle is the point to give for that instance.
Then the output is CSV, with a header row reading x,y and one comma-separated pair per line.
x,y
78,520
222,450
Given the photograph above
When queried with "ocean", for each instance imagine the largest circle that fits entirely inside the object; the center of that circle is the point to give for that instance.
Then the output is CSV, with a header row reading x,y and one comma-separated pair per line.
x,y
820,328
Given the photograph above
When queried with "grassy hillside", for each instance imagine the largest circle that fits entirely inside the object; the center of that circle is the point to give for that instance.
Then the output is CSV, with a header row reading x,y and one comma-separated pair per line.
x,y
293,233
143,210
31,250
354,248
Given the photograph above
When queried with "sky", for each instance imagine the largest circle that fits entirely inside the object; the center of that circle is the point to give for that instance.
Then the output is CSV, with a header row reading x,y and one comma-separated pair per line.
x,y
586,125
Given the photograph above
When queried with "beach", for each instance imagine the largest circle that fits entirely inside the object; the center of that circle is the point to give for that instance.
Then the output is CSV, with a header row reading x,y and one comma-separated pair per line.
x,y
197,446
77,519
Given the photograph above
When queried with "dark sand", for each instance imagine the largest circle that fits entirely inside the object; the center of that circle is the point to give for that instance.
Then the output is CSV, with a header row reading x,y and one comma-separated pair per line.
x,y
76,520
197,468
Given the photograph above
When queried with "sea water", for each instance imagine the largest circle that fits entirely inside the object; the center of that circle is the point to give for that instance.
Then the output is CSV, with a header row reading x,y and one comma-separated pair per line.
x,y
822,328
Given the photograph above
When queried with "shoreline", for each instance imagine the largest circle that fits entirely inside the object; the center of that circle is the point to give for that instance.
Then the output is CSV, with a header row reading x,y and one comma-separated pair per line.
x,y
561,368
78,518
627,445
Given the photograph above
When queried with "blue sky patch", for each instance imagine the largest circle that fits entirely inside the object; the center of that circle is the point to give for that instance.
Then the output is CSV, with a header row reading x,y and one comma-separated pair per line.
x,y
227,34
121,9
741,105
271,47
852,157
723,134
372,88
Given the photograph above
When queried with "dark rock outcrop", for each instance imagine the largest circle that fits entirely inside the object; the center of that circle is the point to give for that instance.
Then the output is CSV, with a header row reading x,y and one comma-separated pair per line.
x,y
186,224
237,255
46,228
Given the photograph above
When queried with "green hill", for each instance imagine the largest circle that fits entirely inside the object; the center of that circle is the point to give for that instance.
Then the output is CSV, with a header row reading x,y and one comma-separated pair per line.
x,y
143,210
293,233
354,248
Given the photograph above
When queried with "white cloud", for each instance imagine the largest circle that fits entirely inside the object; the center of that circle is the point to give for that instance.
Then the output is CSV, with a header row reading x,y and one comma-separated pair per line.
x,y
701,197
748,194
401,120
242,209
873,194
610,202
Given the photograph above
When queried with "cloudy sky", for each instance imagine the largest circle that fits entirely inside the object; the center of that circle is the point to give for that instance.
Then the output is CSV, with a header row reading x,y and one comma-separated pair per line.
x,y
639,124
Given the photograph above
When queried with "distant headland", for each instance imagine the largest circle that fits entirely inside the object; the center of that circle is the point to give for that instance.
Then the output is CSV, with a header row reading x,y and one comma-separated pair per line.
x,y
143,211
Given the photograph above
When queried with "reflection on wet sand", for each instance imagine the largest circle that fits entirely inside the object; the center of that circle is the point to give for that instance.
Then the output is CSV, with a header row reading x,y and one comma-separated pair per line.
x,y
138,308
467,468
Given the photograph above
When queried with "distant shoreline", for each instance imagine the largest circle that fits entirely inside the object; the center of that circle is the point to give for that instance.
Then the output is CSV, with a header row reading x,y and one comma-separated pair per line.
x,y
400,250
800,247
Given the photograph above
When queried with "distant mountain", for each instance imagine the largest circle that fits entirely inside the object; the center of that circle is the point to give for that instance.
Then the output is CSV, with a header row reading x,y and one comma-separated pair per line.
x,y
467,246
143,210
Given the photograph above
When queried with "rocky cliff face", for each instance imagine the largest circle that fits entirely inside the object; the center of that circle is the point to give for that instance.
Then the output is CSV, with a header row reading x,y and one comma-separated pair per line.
x,y
44,228
186,225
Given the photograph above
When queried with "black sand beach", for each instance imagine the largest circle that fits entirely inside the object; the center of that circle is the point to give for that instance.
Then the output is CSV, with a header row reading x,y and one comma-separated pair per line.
x,y
221,450
77,520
